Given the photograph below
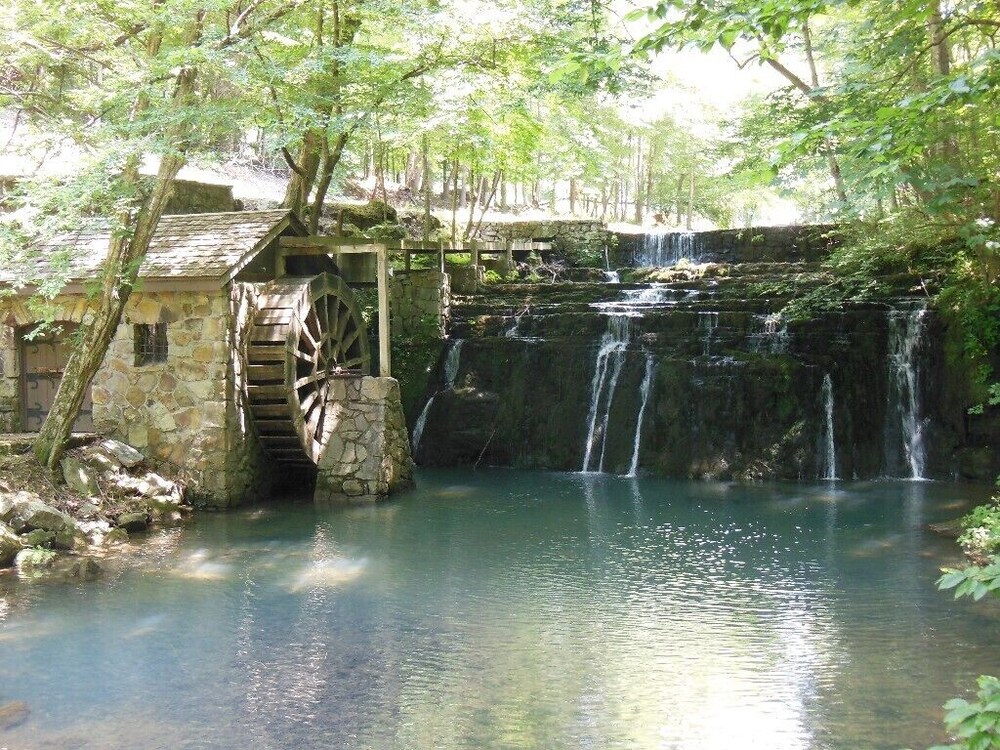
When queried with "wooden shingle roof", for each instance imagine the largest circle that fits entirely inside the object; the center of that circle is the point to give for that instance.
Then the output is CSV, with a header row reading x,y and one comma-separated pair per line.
x,y
189,246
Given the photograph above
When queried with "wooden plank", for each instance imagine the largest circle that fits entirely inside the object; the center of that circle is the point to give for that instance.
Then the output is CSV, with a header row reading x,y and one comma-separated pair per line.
x,y
265,333
384,365
260,354
259,372
271,411
268,393
273,316
274,427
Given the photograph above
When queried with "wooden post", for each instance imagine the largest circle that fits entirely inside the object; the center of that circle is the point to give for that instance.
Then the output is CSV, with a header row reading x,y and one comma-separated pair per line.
x,y
384,332
406,255
441,243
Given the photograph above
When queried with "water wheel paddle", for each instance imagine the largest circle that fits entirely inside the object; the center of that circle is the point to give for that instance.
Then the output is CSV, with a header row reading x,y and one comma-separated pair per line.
x,y
306,331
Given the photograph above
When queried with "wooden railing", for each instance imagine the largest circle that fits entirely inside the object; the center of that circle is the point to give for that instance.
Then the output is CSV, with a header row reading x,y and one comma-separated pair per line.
x,y
317,245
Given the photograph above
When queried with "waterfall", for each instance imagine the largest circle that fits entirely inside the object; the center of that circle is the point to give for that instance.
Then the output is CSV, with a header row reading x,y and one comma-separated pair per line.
x,y
770,335
667,248
451,364
828,446
905,330
612,277
610,356
647,382
708,322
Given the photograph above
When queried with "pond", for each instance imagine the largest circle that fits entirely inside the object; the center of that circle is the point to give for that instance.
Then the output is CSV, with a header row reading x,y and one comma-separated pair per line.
x,y
505,609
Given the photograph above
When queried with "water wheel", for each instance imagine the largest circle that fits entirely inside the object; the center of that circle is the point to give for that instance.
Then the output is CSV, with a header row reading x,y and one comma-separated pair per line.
x,y
306,332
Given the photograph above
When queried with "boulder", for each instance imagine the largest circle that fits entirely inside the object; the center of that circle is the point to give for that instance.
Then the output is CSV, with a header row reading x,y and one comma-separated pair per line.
x,y
34,560
368,215
38,538
10,545
13,714
126,455
116,535
80,477
31,513
83,568
7,503
133,522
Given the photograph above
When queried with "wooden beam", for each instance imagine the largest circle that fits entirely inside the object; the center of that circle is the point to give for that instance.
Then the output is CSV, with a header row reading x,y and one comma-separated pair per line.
x,y
384,364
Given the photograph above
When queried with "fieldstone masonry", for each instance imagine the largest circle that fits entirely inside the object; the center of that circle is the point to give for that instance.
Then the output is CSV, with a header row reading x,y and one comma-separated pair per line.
x,y
174,411
9,382
368,453
565,234
420,302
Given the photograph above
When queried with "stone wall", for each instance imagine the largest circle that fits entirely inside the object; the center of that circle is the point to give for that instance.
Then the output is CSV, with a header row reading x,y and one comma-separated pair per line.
x,y
9,383
368,454
566,235
419,302
173,411
809,242
191,197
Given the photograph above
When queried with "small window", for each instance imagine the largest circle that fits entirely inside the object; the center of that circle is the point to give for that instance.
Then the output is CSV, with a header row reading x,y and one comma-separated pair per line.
x,y
150,343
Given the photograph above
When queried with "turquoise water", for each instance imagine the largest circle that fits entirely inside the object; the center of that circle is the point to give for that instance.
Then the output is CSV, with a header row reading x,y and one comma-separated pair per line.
x,y
500,609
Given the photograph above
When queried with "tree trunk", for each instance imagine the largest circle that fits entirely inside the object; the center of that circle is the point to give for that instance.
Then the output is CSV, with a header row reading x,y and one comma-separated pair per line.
x,y
454,201
330,161
120,269
572,196
425,149
304,169
126,251
413,171
690,211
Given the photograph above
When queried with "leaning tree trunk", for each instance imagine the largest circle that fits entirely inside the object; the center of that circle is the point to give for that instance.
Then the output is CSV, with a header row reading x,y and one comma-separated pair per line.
x,y
121,267
120,270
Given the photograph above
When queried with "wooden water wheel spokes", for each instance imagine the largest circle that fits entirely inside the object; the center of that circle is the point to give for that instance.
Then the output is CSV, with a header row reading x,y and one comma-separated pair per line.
x,y
306,332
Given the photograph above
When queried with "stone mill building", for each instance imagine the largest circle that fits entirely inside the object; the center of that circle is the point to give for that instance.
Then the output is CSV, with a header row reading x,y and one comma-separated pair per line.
x,y
236,361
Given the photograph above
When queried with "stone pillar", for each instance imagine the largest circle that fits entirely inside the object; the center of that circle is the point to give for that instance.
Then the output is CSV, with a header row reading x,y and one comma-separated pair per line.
x,y
420,302
10,384
367,456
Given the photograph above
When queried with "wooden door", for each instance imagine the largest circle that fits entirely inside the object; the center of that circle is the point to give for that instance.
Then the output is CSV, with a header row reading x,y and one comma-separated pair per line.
x,y
43,359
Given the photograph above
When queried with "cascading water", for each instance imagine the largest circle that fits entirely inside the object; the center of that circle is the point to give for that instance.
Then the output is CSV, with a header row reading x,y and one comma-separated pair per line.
x,y
827,444
451,364
644,389
708,322
608,368
904,423
668,248
770,335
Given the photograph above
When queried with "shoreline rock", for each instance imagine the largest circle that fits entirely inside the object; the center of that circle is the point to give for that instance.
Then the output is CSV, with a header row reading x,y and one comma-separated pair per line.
x,y
55,532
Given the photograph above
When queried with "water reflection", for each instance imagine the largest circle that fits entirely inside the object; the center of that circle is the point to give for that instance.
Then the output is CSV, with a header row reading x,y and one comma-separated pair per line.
x,y
516,610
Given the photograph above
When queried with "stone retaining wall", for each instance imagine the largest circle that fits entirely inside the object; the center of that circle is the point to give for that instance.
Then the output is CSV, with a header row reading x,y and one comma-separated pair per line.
x,y
420,302
566,235
809,242
368,453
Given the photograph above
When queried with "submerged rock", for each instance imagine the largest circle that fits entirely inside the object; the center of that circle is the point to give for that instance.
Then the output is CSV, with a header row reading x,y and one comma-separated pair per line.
x,y
133,522
13,714
34,561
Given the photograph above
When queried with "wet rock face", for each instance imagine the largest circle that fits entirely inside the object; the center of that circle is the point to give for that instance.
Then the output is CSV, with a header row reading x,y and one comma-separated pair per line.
x,y
734,391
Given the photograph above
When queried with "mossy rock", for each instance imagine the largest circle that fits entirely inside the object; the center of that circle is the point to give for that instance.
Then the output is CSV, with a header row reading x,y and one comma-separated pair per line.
x,y
387,231
367,216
